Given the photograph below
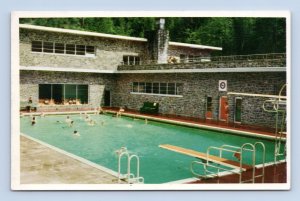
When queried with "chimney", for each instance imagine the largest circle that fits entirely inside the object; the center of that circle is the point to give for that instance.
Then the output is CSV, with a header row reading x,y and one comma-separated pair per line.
x,y
158,43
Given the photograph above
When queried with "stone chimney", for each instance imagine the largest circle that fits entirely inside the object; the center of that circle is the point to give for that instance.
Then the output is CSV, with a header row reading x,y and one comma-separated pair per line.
x,y
158,43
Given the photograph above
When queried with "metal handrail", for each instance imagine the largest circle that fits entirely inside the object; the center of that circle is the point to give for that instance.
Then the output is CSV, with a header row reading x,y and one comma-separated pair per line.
x,y
230,58
131,178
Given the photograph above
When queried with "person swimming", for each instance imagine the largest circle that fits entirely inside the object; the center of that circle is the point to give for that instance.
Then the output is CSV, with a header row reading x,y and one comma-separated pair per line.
x,y
33,121
87,118
68,120
76,133
71,123
91,122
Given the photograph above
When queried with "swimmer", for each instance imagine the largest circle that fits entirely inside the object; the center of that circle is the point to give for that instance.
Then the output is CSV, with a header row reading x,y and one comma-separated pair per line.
x,y
76,133
68,120
119,113
91,122
87,118
33,121
71,123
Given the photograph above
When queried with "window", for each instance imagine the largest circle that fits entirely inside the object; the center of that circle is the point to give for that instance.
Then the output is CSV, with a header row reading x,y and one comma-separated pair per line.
x,y
142,87
61,48
182,58
83,94
60,94
171,88
163,88
90,50
131,60
37,46
157,88
80,50
135,87
238,110
70,49
149,88
191,58
48,47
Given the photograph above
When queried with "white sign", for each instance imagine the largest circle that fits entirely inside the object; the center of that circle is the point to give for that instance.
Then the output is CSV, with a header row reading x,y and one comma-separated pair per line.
x,y
222,85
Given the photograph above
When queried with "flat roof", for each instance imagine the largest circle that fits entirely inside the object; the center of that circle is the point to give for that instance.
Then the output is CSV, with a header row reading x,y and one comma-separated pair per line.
x,y
206,70
103,35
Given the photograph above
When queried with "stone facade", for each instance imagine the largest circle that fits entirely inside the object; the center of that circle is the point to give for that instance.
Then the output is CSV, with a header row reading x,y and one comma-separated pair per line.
x,y
197,86
109,55
176,51
108,52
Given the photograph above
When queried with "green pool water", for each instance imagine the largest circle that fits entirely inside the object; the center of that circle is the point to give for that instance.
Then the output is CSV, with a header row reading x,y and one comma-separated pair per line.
x,y
98,143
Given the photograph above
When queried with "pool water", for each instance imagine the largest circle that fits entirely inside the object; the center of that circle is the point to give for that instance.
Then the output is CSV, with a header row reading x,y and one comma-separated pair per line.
x,y
98,143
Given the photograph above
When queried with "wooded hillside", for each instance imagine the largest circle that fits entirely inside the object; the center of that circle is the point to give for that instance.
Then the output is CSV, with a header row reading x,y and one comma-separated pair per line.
x,y
237,36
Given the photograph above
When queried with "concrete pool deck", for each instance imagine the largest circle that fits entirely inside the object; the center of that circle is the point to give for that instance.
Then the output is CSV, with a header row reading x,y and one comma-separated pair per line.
x,y
42,165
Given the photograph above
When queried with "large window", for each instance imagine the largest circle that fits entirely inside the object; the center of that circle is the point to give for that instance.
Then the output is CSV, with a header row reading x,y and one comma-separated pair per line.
x,y
61,48
63,94
131,60
157,88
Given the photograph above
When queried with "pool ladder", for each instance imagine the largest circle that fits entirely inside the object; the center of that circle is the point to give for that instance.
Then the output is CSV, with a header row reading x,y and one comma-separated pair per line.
x,y
237,151
278,107
129,177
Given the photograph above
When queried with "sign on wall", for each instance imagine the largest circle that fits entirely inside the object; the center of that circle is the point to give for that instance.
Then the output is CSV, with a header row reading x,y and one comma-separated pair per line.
x,y
222,85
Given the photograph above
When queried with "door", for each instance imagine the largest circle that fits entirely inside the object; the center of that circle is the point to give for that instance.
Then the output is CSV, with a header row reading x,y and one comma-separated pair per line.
x,y
107,98
208,113
238,110
224,108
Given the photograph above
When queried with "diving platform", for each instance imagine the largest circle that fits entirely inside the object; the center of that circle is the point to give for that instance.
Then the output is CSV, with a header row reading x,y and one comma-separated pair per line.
x,y
207,157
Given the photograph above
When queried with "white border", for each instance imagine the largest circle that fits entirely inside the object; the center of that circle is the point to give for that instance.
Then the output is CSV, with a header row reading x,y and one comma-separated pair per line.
x,y
15,125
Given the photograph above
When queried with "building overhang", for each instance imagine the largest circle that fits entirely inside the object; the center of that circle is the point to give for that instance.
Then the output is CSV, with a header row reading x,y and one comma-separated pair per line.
x,y
210,70
207,70
59,69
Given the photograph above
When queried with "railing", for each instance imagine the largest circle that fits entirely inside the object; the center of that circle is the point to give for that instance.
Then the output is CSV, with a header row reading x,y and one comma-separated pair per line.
x,y
233,61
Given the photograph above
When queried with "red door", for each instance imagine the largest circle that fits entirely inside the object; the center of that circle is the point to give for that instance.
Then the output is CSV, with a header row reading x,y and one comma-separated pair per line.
x,y
224,109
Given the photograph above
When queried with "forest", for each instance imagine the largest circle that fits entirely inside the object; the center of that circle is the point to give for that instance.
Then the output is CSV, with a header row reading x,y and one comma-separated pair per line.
x,y
237,36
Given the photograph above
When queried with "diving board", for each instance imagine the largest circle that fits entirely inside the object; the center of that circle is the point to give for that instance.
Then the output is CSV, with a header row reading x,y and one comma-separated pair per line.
x,y
204,156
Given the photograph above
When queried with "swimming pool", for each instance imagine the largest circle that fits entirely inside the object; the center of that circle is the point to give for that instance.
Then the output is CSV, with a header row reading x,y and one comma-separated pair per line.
x,y
98,143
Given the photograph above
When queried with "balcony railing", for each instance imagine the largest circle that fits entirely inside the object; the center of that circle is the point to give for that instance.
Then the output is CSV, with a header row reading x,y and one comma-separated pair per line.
x,y
233,61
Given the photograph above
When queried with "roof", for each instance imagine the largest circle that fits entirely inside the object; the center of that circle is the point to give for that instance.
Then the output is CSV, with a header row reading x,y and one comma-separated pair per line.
x,y
194,46
103,35
77,32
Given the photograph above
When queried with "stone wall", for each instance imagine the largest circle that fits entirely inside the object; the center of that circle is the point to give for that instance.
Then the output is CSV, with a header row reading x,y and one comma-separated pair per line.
x,y
108,52
29,81
176,51
197,86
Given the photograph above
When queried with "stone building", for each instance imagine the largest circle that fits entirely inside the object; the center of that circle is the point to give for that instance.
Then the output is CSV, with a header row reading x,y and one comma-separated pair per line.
x,y
63,69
